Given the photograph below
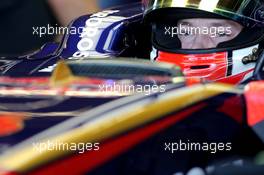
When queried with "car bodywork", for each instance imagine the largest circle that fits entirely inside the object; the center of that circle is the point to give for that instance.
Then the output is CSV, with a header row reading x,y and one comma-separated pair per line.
x,y
133,129
131,132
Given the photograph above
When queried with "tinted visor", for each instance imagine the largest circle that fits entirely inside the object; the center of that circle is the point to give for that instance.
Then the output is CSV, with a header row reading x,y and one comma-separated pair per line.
x,y
187,38
196,33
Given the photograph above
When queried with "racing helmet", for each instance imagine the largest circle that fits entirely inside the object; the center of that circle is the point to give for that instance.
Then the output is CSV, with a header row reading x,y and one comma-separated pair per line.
x,y
229,61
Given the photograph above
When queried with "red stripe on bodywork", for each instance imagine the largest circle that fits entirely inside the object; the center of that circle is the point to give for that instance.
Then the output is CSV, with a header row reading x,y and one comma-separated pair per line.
x,y
233,107
11,123
254,94
88,161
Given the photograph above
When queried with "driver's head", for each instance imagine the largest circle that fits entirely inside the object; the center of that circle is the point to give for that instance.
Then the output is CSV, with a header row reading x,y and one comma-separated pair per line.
x,y
206,37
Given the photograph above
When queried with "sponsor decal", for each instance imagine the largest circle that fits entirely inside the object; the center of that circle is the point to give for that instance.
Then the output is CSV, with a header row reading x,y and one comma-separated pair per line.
x,y
48,69
92,30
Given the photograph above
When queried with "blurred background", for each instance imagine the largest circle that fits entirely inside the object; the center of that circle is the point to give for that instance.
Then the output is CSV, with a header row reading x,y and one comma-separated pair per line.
x,y
18,17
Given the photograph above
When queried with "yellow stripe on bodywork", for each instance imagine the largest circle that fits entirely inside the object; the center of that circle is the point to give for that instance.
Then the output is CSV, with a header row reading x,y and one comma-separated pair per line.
x,y
29,158
62,75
